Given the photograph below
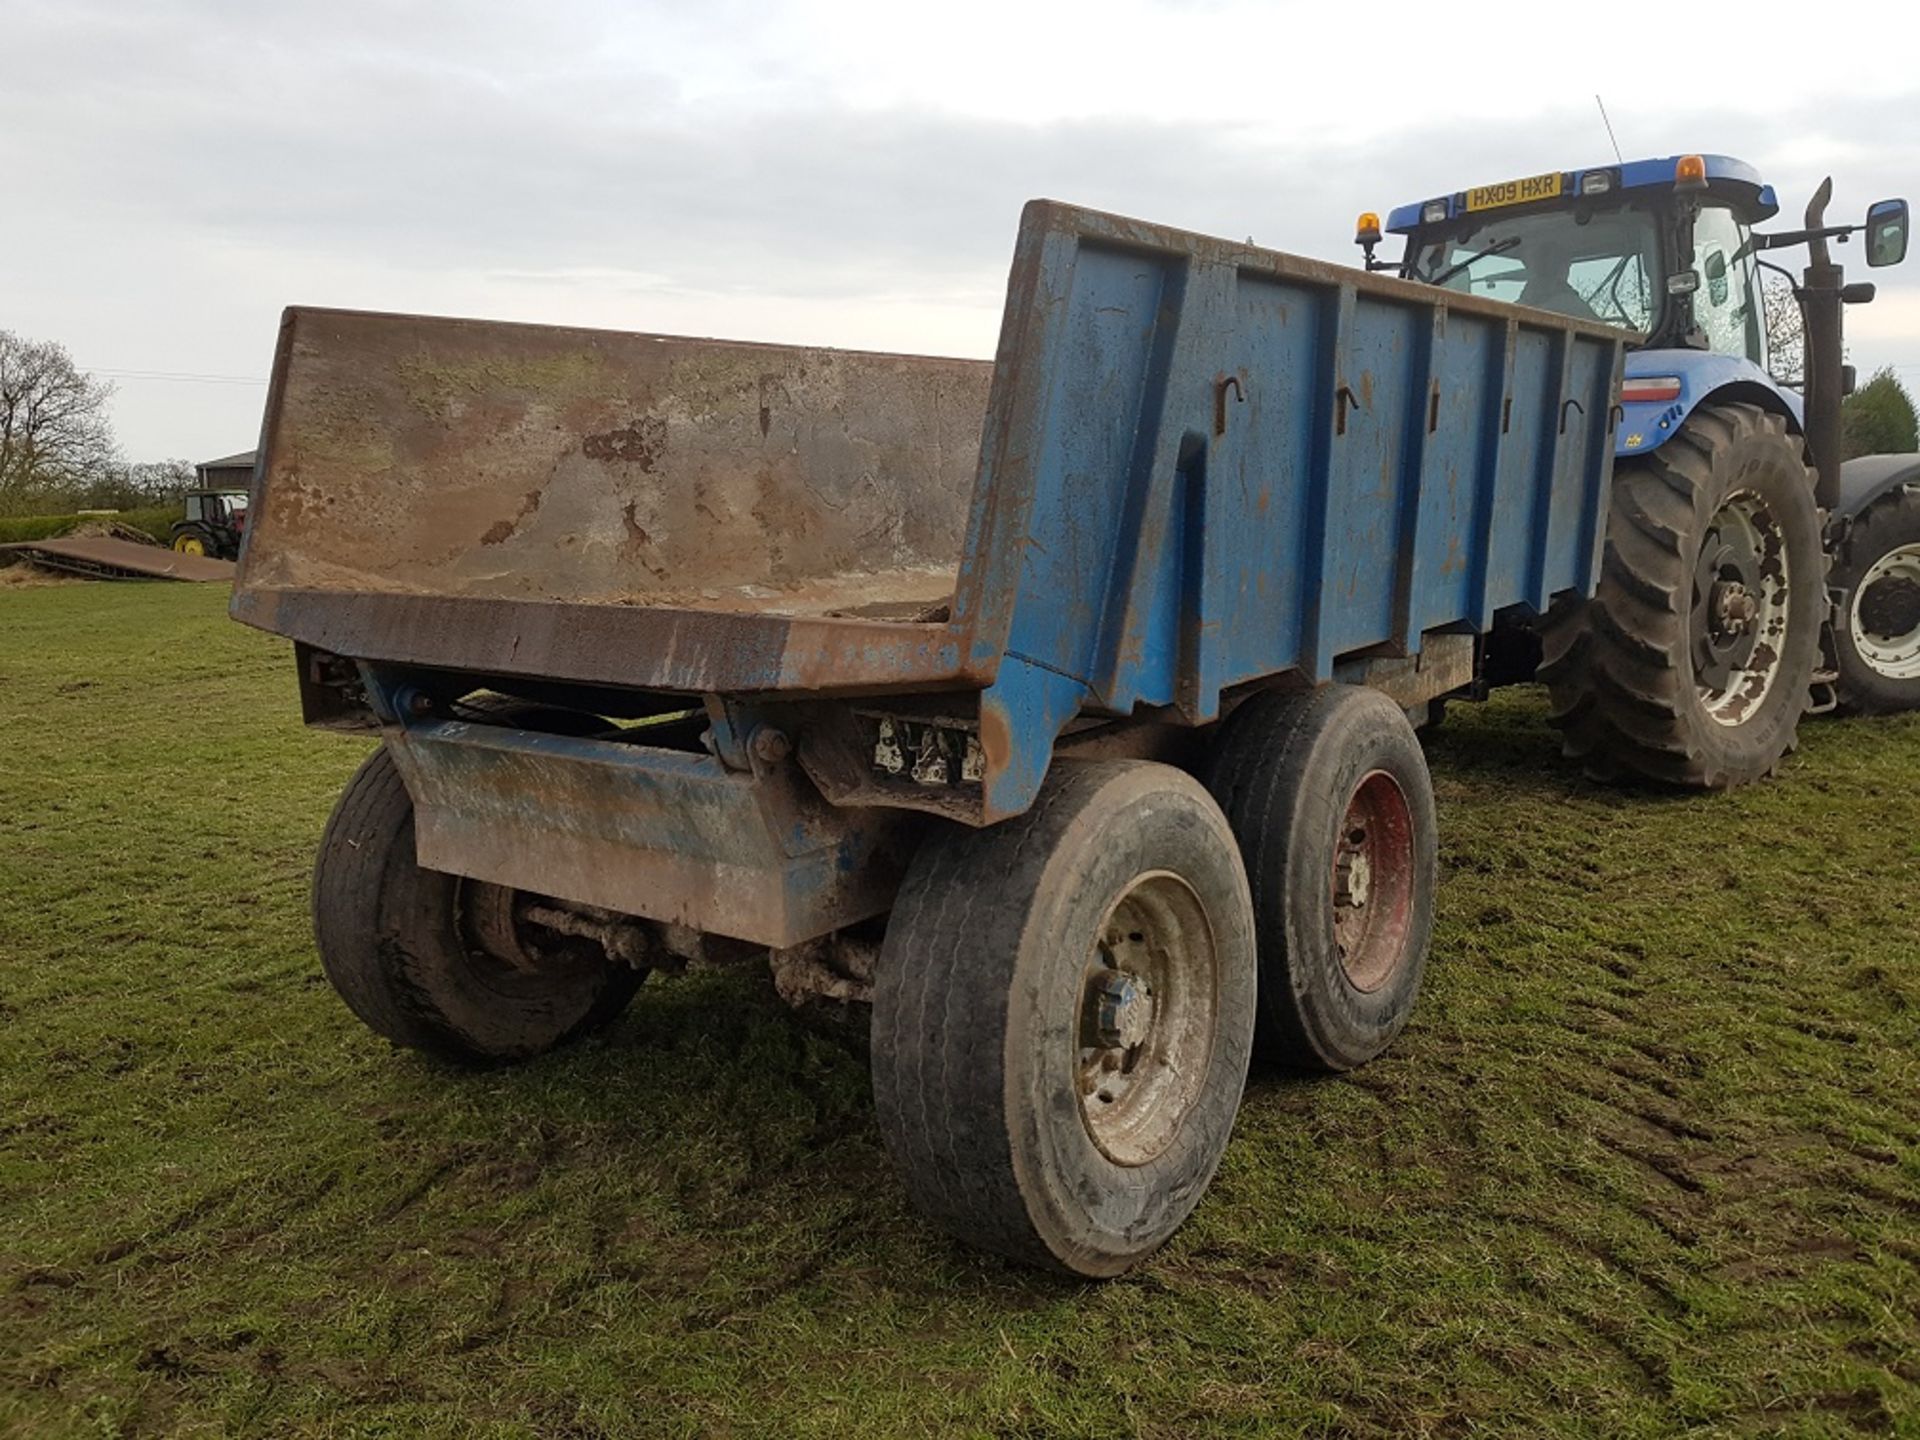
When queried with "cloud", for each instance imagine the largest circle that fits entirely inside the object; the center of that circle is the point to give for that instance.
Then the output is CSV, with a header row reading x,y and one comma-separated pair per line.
x,y
732,169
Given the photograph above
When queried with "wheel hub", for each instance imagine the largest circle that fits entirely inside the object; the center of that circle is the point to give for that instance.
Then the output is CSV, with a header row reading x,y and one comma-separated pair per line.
x,y
1124,1006
1734,610
1352,872
536,936
1884,616
1739,608
1372,891
1724,584
1890,609
1149,1001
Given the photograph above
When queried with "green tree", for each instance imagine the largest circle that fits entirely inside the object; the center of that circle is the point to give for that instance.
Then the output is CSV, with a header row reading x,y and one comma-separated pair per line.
x,y
128,487
1878,419
54,433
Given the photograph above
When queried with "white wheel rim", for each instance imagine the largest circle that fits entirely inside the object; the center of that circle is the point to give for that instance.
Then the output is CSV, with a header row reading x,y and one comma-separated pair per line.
x,y
1895,656
1149,1006
1749,525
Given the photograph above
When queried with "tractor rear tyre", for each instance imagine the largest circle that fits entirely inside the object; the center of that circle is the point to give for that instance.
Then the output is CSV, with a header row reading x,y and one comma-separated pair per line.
x,y
441,963
1691,664
1063,1015
1329,797
193,542
1876,635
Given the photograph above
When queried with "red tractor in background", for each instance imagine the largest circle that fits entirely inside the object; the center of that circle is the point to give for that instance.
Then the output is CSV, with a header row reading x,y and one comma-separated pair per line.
x,y
214,522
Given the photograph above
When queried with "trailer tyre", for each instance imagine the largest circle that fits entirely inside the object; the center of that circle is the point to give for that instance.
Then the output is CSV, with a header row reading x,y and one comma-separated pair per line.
x,y
416,953
1063,1015
1329,796
1691,664
1876,635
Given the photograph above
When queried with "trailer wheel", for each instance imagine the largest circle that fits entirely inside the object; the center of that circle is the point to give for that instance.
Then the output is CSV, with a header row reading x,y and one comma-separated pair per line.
x,y
1063,1015
1876,636
441,963
1692,662
1329,797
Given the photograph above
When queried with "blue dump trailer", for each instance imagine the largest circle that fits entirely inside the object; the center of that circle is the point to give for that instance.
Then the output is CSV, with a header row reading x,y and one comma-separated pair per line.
x,y
1057,713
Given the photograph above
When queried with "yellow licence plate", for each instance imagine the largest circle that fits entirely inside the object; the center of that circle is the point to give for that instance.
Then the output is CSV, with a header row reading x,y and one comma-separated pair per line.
x,y
1515,192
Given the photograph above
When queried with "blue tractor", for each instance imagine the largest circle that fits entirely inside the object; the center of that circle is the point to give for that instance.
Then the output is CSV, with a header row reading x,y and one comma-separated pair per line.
x,y
1748,574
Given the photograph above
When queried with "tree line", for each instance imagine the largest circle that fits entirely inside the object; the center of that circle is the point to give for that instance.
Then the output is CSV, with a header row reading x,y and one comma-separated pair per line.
x,y
57,449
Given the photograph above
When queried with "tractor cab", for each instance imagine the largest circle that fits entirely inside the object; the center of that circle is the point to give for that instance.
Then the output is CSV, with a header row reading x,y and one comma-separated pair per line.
x,y
1668,249
1664,248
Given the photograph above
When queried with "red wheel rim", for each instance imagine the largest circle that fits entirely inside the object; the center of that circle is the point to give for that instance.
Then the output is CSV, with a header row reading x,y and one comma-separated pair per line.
x,y
1371,888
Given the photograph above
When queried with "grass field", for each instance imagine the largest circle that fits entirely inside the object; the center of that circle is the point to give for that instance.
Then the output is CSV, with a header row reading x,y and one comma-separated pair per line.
x,y
1647,1161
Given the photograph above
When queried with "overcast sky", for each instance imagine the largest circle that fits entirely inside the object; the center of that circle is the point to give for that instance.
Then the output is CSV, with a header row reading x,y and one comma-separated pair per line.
x,y
848,174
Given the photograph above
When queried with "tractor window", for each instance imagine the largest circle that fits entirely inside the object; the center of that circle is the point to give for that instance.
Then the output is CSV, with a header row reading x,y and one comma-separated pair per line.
x,y
1618,290
1727,306
1590,263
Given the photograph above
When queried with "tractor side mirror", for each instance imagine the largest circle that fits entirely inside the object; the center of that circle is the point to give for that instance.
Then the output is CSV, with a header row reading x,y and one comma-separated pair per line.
x,y
1716,268
1849,380
1886,232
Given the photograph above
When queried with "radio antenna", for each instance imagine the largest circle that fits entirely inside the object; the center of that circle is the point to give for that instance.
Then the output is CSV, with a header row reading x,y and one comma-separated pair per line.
x,y
1609,124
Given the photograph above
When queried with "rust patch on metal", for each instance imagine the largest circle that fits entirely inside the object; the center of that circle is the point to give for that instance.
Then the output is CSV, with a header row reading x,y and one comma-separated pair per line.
x,y
501,529
637,444
636,532
996,740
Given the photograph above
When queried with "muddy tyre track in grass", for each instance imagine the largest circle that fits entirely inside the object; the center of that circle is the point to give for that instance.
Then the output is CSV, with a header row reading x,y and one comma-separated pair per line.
x,y
1644,1162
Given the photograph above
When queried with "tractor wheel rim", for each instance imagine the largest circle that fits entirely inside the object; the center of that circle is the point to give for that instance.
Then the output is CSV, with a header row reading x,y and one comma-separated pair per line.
x,y
1371,888
1884,616
1737,620
1149,1006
